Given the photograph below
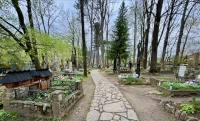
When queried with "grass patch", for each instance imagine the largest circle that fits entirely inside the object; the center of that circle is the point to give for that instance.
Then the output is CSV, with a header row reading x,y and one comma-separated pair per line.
x,y
181,86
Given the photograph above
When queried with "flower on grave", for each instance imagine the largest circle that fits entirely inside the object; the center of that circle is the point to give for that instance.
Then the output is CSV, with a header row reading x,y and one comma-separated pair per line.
x,y
192,82
61,77
71,77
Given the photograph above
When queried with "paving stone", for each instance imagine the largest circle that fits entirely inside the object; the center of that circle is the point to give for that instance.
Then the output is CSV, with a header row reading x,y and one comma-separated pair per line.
x,y
114,107
94,104
115,92
108,90
108,95
131,115
107,102
115,100
128,106
97,95
113,96
124,99
116,117
124,119
106,116
122,114
93,115
103,100
96,108
118,97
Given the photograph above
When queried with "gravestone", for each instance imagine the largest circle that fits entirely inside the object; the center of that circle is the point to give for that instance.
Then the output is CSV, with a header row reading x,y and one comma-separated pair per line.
x,y
56,67
198,77
181,72
70,67
44,62
13,67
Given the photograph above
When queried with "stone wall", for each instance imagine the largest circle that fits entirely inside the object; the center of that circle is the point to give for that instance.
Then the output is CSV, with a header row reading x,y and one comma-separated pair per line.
x,y
58,106
168,106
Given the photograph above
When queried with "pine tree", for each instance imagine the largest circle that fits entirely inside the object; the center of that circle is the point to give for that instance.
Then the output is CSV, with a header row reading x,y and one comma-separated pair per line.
x,y
119,45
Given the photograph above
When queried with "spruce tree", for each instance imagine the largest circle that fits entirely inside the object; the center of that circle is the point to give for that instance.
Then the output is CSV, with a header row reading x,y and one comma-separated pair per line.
x,y
119,44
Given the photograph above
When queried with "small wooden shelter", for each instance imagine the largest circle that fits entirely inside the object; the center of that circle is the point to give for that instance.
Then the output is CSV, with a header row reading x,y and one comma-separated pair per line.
x,y
20,78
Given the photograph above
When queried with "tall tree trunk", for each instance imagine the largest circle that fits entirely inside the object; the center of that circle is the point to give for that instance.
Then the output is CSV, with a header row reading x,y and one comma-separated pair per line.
x,y
34,56
155,37
147,32
83,38
186,39
135,32
30,50
180,33
107,31
167,33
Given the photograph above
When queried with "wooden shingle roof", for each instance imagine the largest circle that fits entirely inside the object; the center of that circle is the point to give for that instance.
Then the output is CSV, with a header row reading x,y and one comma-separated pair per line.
x,y
19,76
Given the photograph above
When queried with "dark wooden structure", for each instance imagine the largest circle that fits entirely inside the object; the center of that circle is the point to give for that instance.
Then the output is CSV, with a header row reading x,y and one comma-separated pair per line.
x,y
21,78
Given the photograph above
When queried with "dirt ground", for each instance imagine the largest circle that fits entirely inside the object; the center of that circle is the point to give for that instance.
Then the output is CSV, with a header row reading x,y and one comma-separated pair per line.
x,y
82,107
143,99
144,102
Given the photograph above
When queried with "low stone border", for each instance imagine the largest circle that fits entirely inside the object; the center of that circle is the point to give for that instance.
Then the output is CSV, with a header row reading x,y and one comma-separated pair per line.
x,y
177,113
57,108
179,92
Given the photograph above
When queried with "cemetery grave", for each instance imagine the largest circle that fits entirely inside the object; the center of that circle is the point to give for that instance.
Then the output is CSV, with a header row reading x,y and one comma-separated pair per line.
x,y
36,93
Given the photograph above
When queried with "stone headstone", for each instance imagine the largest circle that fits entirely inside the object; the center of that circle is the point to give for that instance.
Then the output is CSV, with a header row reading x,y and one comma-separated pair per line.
x,y
44,63
13,67
56,66
198,76
181,71
70,67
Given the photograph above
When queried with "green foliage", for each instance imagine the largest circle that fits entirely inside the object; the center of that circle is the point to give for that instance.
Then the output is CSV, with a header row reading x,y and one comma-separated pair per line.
x,y
66,81
1,93
131,79
188,108
41,96
119,45
196,103
197,71
53,119
6,115
67,92
181,86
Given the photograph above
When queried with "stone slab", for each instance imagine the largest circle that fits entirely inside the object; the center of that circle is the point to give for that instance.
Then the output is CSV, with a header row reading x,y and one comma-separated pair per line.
x,y
114,107
106,116
93,115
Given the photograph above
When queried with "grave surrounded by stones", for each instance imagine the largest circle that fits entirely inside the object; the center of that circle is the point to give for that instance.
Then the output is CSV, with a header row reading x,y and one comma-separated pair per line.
x,y
35,92
185,83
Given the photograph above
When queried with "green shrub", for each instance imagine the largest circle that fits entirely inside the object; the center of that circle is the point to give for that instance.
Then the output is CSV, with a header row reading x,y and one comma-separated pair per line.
x,y
181,86
131,79
6,115
188,108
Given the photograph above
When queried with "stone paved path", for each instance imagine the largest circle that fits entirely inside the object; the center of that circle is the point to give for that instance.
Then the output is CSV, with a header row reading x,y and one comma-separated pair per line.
x,y
108,103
